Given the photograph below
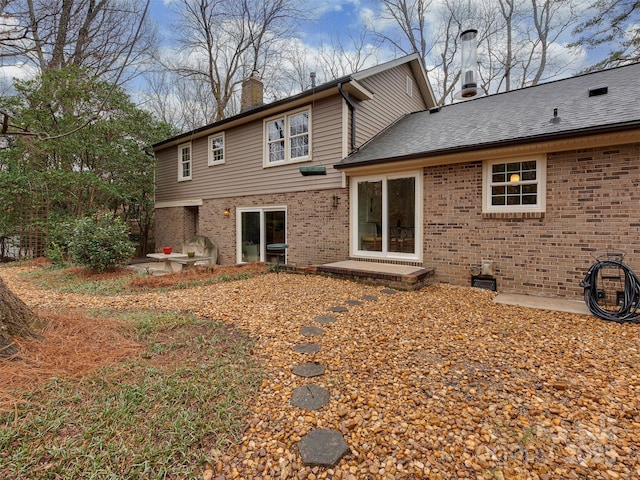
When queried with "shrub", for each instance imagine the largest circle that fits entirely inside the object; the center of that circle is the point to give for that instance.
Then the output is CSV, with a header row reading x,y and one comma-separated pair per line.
x,y
100,243
58,241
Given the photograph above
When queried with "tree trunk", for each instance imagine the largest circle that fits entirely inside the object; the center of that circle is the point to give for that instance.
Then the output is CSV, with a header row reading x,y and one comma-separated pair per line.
x,y
16,320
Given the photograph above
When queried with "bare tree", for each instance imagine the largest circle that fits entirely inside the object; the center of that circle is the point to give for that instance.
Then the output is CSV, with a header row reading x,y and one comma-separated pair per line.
x,y
343,57
99,35
224,40
514,38
410,16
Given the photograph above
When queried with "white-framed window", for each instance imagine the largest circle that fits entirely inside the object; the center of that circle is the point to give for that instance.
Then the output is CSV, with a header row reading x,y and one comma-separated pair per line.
x,y
216,149
386,216
184,162
288,138
515,185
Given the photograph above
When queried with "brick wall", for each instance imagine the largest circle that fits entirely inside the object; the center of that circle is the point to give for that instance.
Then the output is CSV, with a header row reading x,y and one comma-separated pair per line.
x,y
316,231
593,205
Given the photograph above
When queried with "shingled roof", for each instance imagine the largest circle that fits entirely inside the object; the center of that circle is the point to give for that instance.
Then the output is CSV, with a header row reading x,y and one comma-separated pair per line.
x,y
600,102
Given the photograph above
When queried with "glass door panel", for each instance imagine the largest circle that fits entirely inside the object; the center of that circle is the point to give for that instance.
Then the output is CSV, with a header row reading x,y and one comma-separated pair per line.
x,y
401,214
370,216
275,228
250,236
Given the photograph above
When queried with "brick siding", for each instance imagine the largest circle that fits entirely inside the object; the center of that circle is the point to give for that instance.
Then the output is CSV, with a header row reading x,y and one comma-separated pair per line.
x,y
316,231
592,207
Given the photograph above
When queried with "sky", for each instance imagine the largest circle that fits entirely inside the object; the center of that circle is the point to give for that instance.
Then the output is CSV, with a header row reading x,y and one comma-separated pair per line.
x,y
344,17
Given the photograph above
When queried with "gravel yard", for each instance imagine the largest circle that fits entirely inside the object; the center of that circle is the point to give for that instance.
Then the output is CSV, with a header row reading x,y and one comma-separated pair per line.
x,y
437,383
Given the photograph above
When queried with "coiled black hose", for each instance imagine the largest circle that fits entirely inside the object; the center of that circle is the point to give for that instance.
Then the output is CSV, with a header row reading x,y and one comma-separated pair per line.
x,y
629,302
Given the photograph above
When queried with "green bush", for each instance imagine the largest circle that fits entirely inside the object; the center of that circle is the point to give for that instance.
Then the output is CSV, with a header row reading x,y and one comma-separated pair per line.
x,y
100,243
58,241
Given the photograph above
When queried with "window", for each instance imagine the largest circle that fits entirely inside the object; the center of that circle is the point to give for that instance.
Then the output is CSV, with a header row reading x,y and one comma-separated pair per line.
x,y
216,149
288,138
184,162
515,186
385,216
257,229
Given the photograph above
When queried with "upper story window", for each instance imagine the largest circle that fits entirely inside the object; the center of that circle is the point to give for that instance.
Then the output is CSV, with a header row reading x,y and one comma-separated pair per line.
x,y
517,185
216,149
184,162
288,138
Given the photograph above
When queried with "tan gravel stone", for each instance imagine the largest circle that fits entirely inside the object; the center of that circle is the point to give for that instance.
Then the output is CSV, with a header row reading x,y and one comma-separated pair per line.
x,y
432,384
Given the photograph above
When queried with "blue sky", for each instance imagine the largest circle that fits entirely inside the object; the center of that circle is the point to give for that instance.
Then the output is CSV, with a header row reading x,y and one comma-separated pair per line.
x,y
333,17
340,17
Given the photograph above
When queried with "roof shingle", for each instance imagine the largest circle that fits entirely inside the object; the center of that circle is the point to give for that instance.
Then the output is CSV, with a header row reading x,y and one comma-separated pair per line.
x,y
518,116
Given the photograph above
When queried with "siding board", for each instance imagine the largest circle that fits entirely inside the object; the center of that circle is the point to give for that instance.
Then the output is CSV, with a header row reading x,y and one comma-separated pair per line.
x,y
390,102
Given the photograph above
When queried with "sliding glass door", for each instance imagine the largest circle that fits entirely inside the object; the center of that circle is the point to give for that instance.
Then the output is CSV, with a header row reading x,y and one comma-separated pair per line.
x,y
257,228
386,216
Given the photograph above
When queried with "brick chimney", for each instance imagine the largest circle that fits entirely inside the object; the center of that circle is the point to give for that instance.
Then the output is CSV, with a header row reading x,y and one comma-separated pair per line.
x,y
252,93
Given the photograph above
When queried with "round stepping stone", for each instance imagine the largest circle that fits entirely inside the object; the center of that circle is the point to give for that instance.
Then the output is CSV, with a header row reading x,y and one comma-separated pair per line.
x,y
388,291
311,331
324,319
307,348
370,298
338,309
323,448
310,397
308,370
353,302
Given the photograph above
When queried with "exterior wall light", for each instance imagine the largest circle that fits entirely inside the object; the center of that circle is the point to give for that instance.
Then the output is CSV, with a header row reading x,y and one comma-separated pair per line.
x,y
227,212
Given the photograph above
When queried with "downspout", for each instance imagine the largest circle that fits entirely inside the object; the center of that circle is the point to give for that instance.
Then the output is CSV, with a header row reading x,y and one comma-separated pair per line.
x,y
352,109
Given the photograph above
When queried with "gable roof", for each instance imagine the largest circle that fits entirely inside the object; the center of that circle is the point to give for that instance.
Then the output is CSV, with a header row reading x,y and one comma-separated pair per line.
x,y
510,118
349,83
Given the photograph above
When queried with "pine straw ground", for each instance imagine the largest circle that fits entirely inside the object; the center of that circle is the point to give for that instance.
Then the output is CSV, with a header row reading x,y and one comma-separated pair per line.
x,y
438,383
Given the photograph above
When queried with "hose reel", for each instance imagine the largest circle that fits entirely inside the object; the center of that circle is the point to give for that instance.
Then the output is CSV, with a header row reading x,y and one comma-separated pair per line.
x,y
612,289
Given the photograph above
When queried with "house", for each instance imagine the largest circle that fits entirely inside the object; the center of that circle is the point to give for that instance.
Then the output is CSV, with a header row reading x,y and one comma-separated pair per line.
x,y
531,183
534,183
252,180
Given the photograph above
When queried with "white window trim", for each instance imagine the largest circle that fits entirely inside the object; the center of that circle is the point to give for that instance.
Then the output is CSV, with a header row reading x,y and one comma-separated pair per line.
x,y
287,144
211,161
541,179
181,147
263,244
354,252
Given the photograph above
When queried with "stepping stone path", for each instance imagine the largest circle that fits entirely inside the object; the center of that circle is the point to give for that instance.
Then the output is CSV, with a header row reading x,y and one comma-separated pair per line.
x,y
338,309
309,370
324,319
308,348
320,447
311,331
310,397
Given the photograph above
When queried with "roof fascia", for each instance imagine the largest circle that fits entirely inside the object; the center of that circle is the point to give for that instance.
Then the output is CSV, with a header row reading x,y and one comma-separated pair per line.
x,y
618,135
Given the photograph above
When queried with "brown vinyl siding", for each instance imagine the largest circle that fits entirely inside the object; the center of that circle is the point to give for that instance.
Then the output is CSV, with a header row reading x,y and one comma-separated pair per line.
x,y
390,102
243,171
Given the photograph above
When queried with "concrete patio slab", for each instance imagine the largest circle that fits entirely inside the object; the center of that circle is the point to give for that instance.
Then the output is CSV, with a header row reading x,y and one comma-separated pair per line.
x,y
543,303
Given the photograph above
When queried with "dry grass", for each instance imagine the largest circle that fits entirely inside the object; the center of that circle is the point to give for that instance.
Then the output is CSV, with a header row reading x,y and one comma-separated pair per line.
x,y
70,347
73,345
